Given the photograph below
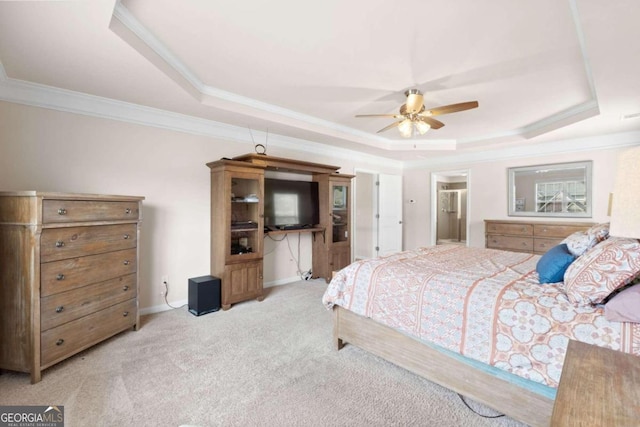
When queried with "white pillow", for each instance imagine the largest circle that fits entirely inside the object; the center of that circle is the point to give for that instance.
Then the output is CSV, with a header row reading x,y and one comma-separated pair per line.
x,y
580,242
600,232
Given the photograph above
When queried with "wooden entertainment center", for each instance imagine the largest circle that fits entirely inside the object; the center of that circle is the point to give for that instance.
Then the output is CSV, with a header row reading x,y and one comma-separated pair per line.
x,y
237,221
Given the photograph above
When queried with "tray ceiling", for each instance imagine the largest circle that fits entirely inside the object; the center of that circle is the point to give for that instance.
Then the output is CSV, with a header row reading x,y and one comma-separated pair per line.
x,y
543,70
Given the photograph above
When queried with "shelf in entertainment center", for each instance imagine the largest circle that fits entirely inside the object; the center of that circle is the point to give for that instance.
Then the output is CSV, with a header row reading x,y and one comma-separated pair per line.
x,y
313,230
297,230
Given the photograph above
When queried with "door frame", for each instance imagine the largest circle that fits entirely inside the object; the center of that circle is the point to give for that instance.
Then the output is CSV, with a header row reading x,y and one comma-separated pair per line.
x,y
444,175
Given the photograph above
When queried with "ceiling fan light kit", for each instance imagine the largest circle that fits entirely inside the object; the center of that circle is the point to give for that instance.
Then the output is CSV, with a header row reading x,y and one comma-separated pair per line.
x,y
414,118
422,127
407,127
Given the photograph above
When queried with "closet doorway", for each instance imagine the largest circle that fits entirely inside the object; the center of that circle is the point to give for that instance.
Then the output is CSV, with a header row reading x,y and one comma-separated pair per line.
x,y
450,207
378,214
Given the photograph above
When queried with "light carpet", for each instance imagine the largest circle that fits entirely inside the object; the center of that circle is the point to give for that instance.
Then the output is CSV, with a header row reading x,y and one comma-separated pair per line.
x,y
258,364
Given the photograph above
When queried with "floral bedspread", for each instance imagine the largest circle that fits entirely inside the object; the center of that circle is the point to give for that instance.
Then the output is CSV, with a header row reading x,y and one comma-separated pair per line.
x,y
484,304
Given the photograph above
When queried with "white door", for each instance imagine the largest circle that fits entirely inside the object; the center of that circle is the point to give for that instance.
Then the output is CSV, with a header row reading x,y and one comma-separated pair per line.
x,y
390,214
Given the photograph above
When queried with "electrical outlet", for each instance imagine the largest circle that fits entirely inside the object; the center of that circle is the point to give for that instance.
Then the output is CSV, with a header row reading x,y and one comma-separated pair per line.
x,y
164,285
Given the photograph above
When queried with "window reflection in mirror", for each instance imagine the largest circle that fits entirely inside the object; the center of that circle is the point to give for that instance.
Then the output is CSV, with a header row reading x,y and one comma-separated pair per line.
x,y
555,190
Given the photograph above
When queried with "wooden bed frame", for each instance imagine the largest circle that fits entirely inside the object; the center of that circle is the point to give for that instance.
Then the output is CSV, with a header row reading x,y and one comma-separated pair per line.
x,y
514,401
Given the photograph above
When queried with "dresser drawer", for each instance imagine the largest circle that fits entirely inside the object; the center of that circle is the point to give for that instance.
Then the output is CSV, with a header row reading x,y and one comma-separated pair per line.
x,y
64,275
57,211
541,246
72,337
512,243
62,243
67,306
507,228
559,231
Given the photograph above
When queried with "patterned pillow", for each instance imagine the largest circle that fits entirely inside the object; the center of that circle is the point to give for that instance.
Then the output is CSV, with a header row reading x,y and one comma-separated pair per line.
x,y
600,232
580,242
604,268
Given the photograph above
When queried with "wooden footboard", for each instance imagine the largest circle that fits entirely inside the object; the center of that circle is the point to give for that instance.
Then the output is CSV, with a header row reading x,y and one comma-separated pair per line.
x,y
516,402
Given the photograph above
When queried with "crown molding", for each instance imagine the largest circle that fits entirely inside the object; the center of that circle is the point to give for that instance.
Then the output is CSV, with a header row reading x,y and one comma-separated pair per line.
x,y
601,142
39,95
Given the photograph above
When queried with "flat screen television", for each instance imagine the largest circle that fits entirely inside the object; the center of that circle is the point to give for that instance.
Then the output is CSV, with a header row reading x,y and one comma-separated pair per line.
x,y
290,204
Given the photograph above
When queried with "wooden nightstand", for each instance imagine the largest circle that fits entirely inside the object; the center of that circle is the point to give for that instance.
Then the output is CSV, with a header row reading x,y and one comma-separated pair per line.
x,y
598,387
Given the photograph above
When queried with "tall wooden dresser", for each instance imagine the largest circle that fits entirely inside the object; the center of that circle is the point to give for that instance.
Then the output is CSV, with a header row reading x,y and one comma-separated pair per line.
x,y
68,274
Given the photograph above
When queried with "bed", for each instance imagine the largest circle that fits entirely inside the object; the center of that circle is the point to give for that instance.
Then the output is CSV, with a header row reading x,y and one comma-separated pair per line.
x,y
478,321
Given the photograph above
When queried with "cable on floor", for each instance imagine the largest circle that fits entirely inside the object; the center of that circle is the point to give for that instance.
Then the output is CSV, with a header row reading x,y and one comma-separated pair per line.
x,y
476,412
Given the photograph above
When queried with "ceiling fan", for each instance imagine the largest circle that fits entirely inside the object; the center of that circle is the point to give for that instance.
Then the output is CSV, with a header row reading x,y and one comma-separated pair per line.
x,y
414,115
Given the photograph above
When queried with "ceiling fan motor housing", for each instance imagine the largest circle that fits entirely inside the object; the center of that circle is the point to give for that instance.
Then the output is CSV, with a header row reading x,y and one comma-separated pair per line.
x,y
415,101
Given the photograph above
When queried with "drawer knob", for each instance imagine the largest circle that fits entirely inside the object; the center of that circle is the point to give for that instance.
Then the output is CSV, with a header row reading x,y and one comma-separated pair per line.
x,y
125,288
126,237
60,341
126,262
59,244
59,309
524,243
125,314
62,211
127,211
60,276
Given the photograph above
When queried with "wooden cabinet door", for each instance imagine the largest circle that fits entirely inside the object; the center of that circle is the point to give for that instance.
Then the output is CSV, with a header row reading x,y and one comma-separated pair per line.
x,y
241,282
244,194
332,252
339,258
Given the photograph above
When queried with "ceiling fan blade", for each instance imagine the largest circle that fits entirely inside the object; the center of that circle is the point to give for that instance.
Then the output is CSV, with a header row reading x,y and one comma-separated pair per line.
x,y
395,116
392,125
453,108
435,124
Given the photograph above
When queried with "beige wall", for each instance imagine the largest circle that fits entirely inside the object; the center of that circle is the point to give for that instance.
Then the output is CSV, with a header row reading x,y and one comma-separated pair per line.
x,y
48,150
487,197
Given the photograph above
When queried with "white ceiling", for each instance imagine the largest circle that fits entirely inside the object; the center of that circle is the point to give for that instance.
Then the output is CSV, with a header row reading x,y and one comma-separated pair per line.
x,y
541,70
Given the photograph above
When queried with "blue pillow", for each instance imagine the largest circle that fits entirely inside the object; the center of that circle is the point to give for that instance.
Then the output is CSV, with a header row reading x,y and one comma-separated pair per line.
x,y
554,263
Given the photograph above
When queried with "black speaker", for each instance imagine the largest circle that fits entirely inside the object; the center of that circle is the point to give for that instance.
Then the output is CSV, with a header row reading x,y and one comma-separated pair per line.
x,y
204,295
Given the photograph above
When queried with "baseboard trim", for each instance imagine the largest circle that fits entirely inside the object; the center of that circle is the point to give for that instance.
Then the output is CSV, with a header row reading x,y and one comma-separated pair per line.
x,y
163,307
181,303
281,282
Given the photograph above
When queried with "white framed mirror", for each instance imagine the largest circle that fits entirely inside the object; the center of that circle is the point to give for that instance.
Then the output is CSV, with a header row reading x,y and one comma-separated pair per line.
x,y
554,190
